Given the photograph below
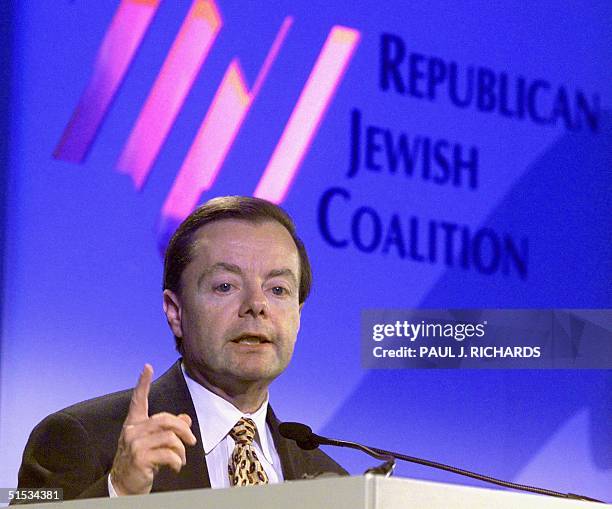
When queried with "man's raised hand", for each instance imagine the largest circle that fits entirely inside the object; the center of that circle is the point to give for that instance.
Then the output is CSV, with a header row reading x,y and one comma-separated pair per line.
x,y
148,443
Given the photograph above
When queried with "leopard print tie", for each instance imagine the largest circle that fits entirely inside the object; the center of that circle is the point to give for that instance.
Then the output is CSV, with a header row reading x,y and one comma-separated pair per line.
x,y
244,467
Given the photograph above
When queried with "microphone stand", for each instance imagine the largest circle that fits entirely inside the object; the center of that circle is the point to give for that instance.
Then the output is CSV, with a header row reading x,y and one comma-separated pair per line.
x,y
385,469
310,440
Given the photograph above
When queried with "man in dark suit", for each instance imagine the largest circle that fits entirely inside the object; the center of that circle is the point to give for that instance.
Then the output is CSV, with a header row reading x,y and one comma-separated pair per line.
x,y
235,279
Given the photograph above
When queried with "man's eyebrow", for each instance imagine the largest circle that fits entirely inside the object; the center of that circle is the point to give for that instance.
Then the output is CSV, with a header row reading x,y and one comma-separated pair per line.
x,y
219,266
283,272
235,269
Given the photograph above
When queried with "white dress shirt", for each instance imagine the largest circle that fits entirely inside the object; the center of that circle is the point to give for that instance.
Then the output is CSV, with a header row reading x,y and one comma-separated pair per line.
x,y
216,418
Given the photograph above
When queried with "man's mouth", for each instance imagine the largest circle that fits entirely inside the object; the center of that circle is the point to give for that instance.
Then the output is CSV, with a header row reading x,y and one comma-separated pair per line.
x,y
251,339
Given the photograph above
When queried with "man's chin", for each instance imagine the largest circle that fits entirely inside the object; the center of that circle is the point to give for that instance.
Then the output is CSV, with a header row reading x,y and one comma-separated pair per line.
x,y
254,374
257,370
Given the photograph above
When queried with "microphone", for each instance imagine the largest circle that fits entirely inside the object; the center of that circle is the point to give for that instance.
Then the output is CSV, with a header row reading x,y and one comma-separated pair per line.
x,y
301,434
307,440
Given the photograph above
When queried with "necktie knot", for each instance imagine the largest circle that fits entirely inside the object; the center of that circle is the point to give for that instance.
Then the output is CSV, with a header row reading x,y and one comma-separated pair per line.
x,y
244,431
244,467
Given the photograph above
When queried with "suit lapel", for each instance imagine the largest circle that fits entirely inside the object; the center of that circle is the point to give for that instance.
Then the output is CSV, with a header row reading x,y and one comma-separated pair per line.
x,y
170,394
292,467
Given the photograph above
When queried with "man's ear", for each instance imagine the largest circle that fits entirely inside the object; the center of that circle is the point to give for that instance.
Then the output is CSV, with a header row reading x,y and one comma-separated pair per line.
x,y
299,317
174,312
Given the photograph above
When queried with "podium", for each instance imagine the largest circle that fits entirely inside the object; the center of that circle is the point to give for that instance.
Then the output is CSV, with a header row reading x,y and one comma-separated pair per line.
x,y
364,492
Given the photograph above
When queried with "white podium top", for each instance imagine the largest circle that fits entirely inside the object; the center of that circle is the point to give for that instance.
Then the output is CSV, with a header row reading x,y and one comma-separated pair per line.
x,y
364,492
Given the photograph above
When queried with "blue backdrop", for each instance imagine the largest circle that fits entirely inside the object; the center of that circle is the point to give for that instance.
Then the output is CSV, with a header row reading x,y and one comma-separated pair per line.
x,y
443,156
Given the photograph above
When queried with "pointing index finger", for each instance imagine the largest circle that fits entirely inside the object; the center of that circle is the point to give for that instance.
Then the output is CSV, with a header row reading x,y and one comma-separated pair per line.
x,y
139,406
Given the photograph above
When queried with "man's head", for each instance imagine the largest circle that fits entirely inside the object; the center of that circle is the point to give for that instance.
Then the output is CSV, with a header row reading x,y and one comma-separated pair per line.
x,y
235,278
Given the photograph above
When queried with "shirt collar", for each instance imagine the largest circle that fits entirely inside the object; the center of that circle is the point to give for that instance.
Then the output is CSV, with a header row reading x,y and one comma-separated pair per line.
x,y
218,416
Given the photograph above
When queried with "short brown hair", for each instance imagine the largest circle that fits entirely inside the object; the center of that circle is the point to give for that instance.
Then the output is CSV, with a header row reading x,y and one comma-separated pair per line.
x,y
179,251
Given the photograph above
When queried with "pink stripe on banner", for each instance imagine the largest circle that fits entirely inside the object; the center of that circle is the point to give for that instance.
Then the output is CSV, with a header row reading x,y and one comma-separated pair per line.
x,y
212,143
174,81
308,113
216,135
114,57
272,54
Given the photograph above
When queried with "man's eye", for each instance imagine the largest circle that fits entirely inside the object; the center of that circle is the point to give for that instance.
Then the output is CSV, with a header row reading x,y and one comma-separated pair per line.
x,y
224,287
279,290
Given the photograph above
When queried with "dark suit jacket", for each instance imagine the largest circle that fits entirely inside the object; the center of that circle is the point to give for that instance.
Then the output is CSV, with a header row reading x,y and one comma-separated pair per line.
x,y
74,448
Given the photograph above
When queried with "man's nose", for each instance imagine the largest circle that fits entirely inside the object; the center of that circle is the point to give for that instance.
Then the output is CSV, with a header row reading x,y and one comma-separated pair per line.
x,y
254,303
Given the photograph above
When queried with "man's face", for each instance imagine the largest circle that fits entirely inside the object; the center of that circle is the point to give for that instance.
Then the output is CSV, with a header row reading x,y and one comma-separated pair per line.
x,y
238,311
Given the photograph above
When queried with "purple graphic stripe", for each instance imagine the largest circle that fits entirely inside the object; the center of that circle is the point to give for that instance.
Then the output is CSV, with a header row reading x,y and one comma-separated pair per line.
x,y
114,57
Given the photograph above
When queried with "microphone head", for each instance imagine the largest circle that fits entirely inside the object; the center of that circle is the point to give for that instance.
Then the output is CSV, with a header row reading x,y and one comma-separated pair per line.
x,y
300,433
